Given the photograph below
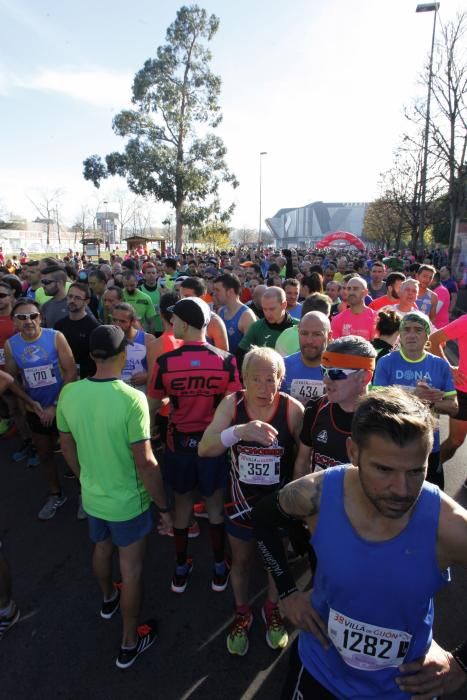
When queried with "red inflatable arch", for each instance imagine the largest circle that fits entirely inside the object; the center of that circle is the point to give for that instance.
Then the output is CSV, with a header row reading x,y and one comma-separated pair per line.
x,y
349,238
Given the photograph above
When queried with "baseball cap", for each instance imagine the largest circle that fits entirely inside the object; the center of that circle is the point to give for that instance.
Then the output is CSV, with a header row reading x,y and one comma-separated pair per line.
x,y
193,311
106,342
211,272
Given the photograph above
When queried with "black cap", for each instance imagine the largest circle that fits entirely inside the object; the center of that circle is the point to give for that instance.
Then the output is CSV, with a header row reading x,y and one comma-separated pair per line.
x,y
106,342
193,311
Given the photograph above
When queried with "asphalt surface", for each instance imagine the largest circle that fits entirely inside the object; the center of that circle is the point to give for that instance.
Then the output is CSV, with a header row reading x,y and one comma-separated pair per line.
x,y
61,648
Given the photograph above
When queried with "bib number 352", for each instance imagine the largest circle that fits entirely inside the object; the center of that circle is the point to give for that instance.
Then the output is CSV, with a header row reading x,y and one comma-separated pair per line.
x,y
259,469
365,646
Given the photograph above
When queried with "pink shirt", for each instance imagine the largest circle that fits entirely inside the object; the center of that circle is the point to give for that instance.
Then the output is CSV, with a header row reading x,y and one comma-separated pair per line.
x,y
348,323
444,300
457,330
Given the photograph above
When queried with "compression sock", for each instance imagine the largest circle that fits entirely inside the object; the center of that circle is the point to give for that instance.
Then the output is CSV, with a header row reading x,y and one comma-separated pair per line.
x,y
181,544
217,533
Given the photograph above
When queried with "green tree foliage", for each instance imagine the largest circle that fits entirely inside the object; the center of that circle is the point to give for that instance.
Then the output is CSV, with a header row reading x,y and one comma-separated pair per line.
x,y
170,154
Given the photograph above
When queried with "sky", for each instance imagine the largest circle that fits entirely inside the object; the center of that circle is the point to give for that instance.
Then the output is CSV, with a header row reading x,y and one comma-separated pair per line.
x,y
320,85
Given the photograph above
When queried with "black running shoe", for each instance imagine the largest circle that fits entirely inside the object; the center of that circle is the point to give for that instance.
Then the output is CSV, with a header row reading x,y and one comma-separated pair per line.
x,y
7,623
220,581
180,577
147,634
110,607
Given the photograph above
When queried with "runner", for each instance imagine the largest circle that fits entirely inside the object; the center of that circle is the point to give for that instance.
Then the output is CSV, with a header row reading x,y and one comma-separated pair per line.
x,y
393,285
141,302
358,319
139,347
365,633
427,301
348,365
77,328
288,342
456,330
377,287
236,316
292,293
112,297
43,359
260,426
265,332
303,375
408,293
150,287
216,332
109,450
195,377
387,329
53,282
423,374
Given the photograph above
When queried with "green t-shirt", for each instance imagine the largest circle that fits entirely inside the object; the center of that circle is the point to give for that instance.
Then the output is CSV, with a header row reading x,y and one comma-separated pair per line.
x,y
41,297
156,300
142,304
264,334
106,417
288,343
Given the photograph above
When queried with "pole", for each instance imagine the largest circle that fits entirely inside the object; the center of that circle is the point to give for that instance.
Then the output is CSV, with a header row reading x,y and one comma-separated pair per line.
x,y
421,229
263,153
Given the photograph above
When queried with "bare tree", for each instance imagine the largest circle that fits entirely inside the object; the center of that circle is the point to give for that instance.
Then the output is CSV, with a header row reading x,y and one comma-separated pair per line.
x,y
449,118
46,203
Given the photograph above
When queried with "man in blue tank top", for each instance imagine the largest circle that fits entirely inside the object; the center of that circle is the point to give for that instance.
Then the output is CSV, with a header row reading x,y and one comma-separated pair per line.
x,y
384,538
236,316
43,359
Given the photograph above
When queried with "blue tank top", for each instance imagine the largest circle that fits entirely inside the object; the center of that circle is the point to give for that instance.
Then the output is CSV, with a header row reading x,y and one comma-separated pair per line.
x,y
39,365
234,334
424,302
376,598
136,357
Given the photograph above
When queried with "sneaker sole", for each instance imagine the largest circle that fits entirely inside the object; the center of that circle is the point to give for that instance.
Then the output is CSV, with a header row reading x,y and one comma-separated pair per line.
x,y
109,616
12,623
179,589
130,663
220,589
271,646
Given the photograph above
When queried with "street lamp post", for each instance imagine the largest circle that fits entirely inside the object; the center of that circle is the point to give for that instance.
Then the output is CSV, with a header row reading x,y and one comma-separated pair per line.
x,y
106,231
262,153
426,7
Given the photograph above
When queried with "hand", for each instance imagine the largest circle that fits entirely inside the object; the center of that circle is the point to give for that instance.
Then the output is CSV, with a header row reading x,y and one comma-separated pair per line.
x,y
48,415
139,378
428,393
257,431
435,674
166,521
298,609
37,408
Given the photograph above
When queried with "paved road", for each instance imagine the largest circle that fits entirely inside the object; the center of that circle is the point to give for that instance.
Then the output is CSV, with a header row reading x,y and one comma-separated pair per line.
x,y
62,649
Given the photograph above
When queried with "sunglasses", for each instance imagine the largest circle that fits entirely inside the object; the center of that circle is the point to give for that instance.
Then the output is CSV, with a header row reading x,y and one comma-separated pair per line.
x,y
335,374
47,281
4,294
27,317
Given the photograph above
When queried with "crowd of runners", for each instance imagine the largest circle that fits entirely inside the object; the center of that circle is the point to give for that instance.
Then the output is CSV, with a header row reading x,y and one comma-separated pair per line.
x,y
291,398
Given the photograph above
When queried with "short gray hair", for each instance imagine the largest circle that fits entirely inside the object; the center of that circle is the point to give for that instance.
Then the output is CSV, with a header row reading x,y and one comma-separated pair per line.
x,y
266,354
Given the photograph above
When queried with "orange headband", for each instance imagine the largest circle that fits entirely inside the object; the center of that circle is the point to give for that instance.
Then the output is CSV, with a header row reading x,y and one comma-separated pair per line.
x,y
341,361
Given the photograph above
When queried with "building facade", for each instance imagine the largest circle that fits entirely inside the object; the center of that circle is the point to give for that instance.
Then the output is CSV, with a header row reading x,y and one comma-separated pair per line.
x,y
305,226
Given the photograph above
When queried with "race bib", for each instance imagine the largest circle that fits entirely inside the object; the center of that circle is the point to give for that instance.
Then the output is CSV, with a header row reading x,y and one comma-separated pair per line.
x,y
305,389
2,356
37,377
262,470
365,646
